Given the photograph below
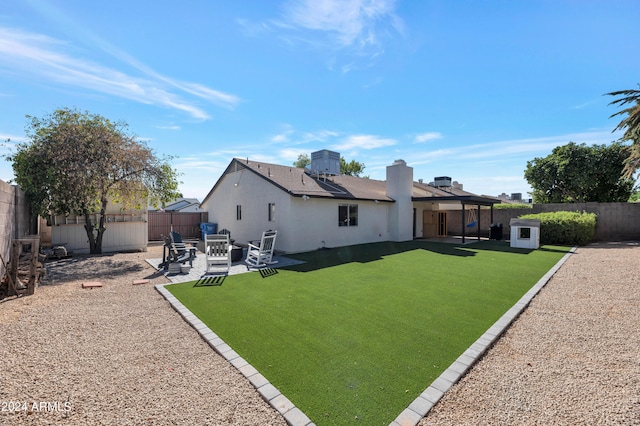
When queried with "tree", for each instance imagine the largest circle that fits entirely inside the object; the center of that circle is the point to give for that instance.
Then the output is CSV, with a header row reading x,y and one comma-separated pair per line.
x,y
631,126
76,162
578,173
302,161
352,168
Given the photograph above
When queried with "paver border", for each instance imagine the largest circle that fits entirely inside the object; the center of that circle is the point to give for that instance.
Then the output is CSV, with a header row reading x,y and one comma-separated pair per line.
x,y
292,415
420,406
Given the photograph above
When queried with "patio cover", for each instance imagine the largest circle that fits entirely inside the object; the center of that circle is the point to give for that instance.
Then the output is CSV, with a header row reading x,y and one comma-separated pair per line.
x,y
445,197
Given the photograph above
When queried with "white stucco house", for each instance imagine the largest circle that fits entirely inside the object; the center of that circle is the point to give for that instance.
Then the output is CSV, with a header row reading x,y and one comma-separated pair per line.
x,y
317,207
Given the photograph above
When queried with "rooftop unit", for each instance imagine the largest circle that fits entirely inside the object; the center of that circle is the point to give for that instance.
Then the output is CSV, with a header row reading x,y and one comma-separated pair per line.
x,y
325,163
442,182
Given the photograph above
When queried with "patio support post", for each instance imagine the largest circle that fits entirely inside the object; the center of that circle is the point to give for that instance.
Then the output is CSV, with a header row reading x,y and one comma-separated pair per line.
x,y
478,222
463,224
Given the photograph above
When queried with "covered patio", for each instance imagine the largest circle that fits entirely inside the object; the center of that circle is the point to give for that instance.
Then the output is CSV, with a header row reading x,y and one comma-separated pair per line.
x,y
442,202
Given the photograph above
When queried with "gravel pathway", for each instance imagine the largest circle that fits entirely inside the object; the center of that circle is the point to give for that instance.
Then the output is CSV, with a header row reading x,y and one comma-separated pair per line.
x,y
572,357
116,355
119,355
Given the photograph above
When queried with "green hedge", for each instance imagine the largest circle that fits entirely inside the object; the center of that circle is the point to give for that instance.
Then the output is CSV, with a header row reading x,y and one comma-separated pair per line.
x,y
505,206
570,228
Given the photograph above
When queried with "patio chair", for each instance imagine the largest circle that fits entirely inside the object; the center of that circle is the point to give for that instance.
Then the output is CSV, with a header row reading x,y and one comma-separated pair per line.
x,y
181,246
227,232
217,251
171,254
262,255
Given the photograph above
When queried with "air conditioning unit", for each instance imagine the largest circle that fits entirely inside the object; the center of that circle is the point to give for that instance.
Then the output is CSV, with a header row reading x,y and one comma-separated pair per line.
x,y
325,163
442,182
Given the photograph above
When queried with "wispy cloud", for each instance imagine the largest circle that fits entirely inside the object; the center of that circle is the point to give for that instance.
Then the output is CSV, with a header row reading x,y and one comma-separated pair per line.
x,y
353,24
169,127
284,135
290,155
426,137
587,104
48,59
291,136
532,147
364,142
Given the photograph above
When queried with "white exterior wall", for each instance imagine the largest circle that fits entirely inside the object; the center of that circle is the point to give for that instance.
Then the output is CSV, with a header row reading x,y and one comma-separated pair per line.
x,y
314,224
253,194
302,225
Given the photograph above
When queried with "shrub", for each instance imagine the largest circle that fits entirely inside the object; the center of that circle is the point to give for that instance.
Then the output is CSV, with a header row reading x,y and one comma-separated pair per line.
x,y
570,228
504,206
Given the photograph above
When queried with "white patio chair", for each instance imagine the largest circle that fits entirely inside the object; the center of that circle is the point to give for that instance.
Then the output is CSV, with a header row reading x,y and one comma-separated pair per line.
x,y
262,255
217,251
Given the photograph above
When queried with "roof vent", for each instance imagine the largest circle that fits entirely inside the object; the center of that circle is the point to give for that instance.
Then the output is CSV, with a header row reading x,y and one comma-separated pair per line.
x,y
325,163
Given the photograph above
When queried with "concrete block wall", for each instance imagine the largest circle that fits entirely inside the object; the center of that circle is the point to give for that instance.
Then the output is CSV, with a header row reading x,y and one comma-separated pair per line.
x,y
15,219
616,221
454,222
7,221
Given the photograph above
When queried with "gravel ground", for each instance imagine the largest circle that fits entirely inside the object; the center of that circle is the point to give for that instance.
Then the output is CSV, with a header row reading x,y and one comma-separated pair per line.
x,y
116,355
119,355
572,357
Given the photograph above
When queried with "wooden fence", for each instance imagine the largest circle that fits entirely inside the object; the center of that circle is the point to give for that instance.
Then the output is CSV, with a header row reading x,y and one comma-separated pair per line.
x,y
186,224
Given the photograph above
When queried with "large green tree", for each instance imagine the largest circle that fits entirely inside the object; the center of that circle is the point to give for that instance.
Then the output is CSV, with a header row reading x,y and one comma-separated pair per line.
x,y
630,124
575,173
75,162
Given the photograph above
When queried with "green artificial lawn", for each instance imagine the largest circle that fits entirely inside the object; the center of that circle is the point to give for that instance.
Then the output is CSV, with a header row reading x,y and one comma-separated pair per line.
x,y
357,333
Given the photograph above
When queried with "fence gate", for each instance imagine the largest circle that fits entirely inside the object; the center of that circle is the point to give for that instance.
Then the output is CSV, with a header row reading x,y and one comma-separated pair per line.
x,y
186,224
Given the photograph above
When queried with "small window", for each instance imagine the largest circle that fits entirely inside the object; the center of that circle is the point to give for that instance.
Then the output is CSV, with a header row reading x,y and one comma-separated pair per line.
x,y
525,233
272,212
238,212
348,215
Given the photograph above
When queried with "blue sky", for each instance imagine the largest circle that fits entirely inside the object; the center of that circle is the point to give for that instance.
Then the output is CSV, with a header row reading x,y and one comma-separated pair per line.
x,y
466,89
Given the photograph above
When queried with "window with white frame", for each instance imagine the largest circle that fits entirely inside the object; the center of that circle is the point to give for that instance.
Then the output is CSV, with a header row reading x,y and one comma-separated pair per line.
x,y
348,215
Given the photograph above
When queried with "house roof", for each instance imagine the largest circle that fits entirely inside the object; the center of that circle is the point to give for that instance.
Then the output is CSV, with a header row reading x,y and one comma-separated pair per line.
x,y
424,192
178,204
181,204
300,182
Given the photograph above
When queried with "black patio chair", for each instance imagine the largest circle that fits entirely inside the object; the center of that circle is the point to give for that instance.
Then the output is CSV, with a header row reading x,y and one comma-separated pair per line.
x,y
174,252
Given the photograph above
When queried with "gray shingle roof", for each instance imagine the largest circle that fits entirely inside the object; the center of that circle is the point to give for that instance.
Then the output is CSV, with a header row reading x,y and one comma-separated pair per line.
x,y
300,182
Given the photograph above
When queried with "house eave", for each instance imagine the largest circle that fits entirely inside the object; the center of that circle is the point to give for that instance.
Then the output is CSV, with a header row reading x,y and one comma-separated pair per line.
x,y
459,199
325,196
